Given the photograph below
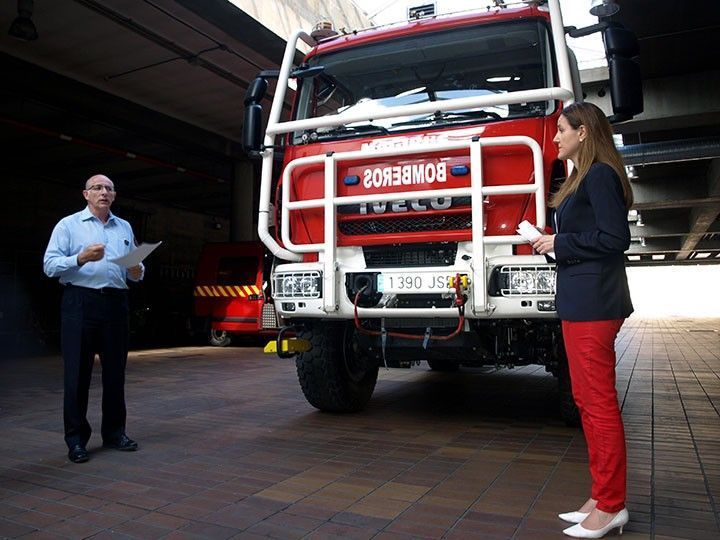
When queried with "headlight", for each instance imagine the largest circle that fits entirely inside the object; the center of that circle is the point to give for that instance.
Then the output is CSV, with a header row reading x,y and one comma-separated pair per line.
x,y
522,280
297,284
546,282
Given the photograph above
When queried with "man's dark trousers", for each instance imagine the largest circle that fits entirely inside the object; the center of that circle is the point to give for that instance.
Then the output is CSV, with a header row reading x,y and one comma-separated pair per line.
x,y
94,321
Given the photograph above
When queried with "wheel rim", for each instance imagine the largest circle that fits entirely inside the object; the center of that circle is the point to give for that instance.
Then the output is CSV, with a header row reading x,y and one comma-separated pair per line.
x,y
355,363
218,335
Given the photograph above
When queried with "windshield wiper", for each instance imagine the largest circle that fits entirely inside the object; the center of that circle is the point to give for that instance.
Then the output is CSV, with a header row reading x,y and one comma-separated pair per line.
x,y
350,131
439,116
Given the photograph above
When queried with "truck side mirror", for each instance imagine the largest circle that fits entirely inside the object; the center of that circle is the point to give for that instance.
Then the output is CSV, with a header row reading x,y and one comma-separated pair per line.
x,y
252,129
256,90
621,48
252,123
625,88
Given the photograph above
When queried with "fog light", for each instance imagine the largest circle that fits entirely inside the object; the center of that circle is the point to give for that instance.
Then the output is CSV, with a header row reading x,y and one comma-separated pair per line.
x,y
546,305
526,280
297,284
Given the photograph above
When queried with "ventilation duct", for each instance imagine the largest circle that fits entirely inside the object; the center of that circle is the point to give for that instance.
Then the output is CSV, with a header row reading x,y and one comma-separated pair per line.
x,y
670,151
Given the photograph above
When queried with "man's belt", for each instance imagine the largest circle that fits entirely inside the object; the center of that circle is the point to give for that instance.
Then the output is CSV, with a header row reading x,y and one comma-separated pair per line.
x,y
101,290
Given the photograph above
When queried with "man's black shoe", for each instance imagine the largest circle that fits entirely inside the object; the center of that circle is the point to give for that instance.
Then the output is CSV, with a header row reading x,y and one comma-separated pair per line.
x,y
78,454
124,443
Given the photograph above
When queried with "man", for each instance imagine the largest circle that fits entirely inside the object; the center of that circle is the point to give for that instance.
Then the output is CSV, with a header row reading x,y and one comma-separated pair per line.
x,y
94,313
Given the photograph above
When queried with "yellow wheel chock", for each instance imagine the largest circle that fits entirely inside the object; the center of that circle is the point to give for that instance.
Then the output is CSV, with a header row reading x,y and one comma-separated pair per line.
x,y
287,346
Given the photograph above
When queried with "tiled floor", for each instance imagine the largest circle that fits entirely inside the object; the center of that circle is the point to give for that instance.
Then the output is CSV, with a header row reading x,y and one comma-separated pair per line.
x,y
230,449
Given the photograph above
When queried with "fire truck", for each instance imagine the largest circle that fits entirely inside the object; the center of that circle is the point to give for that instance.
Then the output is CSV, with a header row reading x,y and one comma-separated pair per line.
x,y
412,153
229,295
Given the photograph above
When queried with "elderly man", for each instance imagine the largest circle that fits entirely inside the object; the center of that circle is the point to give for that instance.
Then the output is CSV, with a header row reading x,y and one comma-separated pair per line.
x,y
94,313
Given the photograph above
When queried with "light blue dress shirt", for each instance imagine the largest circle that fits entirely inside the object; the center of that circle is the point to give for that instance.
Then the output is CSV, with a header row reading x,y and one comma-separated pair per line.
x,y
73,234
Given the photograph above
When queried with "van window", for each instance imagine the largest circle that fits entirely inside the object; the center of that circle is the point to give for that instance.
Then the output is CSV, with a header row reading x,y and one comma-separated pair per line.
x,y
237,271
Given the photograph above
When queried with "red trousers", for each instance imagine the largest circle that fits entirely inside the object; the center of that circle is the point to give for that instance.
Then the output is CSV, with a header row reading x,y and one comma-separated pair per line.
x,y
590,347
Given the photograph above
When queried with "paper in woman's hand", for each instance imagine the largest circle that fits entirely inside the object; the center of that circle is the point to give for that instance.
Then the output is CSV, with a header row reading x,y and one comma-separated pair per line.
x,y
136,256
530,233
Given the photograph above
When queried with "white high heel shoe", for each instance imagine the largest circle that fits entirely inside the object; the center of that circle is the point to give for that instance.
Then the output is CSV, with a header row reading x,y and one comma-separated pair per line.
x,y
618,522
574,517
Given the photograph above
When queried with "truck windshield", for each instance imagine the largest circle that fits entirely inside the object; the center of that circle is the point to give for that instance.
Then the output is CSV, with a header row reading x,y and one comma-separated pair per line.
x,y
436,66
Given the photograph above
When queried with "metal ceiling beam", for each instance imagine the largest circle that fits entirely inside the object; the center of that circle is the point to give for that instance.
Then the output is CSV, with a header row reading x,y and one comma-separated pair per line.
x,y
672,192
236,23
186,54
670,245
678,203
678,226
703,217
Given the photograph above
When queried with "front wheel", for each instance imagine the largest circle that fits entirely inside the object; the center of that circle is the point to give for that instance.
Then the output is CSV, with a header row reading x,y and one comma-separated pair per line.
x,y
219,338
335,375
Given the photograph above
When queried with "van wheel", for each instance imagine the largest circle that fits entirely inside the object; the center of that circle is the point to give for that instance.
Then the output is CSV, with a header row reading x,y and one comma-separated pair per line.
x,y
443,366
335,375
219,338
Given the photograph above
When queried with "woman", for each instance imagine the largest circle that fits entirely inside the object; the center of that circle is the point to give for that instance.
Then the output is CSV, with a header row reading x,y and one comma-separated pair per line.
x,y
592,301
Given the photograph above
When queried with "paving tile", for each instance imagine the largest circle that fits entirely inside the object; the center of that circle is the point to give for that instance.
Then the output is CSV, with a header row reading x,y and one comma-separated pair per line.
x,y
230,449
35,519
361,521
12,529
73,529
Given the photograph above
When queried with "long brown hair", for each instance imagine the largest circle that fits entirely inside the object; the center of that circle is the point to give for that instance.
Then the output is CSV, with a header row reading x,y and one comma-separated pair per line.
x,y
597,147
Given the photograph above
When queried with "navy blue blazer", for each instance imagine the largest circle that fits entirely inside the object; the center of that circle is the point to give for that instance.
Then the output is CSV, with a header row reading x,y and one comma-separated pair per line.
x,y
592,232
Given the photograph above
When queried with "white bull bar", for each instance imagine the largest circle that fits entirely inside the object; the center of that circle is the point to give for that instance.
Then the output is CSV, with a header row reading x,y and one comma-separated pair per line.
x,y
476,191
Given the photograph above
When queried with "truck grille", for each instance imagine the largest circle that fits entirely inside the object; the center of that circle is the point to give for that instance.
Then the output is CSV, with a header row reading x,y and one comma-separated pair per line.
x,y
412,255
407,224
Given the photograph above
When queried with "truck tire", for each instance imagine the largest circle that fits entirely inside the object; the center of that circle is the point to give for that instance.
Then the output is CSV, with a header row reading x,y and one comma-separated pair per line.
x,y
443,366
334,374
219,338
568,410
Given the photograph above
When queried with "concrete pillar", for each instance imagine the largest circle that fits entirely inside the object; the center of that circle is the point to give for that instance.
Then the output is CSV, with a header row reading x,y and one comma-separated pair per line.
x,y
242,211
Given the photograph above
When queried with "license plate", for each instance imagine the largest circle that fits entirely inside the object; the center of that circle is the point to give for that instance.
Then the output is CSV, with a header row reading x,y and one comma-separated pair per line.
x,y
414,282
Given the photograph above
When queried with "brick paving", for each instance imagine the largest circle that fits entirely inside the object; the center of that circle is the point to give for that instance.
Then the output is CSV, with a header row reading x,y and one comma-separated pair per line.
x,y
230,449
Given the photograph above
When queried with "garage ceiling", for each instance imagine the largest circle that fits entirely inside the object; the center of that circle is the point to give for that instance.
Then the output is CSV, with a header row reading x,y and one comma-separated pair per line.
x,y
150,92
147,91
677,187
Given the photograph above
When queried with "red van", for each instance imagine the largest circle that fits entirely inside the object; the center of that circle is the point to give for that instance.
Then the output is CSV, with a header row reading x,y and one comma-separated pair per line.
x,y
230,291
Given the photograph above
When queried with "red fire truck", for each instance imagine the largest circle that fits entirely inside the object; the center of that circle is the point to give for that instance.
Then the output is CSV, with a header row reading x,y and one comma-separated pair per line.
x,y
229,293
412,154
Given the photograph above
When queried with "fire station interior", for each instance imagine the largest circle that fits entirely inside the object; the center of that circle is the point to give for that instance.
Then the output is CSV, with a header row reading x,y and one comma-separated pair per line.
x,y
151,93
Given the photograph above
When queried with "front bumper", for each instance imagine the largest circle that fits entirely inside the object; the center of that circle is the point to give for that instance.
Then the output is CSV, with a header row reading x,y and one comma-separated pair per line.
x,y
378,303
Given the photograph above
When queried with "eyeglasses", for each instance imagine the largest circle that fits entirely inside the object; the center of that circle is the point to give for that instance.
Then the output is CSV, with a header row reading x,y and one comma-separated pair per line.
x,y
100,187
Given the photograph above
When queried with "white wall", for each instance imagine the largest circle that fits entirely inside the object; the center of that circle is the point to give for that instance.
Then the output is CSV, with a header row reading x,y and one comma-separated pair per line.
x,y
678,291
285,16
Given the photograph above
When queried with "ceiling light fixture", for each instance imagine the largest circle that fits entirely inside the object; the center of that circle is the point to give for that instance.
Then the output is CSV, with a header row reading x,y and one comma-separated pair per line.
x,y
22,28
603,8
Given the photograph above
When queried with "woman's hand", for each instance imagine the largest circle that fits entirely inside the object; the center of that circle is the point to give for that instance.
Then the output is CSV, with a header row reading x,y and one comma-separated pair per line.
x,y
544,244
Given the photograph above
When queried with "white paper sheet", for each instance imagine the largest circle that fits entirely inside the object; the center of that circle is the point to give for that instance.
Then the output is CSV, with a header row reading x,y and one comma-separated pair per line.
x,y
530,233
136,256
